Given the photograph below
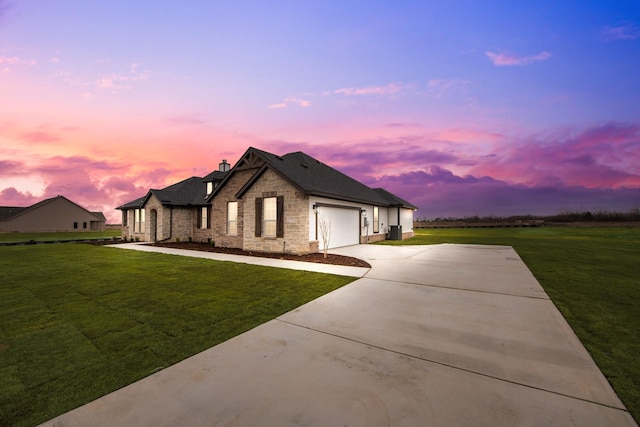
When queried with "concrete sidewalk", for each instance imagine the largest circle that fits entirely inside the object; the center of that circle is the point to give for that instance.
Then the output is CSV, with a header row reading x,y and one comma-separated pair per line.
x,y
341,270
448,335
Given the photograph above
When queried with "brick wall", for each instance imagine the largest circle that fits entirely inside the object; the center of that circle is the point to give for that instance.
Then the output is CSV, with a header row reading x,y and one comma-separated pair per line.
x,y
296,217
183,224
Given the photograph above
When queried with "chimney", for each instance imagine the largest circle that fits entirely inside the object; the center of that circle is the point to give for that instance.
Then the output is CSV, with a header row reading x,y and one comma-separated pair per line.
x,y
224,166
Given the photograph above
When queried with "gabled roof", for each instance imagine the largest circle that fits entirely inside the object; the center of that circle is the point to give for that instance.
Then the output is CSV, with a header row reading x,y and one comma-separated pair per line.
x,y
315,178
394,200
215,176
188,192
7,212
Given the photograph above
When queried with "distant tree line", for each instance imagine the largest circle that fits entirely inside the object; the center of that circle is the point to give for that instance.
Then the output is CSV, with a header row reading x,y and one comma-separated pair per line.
x,y
564,217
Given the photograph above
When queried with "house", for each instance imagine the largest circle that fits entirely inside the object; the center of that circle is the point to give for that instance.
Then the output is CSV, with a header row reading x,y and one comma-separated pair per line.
x,y
179,211
270,203
50,215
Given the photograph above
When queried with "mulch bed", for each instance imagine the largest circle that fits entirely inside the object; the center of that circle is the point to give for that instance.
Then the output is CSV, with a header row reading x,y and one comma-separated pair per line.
x,y
316,257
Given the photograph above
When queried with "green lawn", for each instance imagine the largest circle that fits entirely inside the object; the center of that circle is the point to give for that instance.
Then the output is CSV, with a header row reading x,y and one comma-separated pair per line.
x,y
592,276
78,321
49,237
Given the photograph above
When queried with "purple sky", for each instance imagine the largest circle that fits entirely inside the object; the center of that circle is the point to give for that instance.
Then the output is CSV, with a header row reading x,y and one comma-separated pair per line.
x,y
461,107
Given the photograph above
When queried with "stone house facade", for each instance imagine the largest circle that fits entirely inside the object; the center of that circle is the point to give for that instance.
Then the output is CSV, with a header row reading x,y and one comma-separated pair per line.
x,y
269,203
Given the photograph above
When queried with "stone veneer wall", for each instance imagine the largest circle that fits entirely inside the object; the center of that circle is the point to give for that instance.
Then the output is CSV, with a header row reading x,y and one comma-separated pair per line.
x,y
219,210
377,237
296,217
183,224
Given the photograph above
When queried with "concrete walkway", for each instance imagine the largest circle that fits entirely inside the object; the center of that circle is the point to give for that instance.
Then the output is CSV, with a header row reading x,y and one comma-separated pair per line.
x,y
444,335
267,262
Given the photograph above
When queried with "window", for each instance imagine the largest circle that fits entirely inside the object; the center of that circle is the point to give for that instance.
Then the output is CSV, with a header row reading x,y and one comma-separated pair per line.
x,y
376,220
209,187
232,218
269,216
84,225
75,225
203,218
138,222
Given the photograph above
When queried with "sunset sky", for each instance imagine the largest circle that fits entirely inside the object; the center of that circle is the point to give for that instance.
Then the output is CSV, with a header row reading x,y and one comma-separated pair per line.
x,y
461,107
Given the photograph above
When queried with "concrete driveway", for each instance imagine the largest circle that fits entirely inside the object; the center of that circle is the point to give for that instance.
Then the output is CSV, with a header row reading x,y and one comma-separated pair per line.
x,y
443,335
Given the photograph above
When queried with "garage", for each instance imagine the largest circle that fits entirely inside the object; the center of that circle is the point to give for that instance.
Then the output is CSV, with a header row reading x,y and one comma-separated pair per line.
x,y
345,225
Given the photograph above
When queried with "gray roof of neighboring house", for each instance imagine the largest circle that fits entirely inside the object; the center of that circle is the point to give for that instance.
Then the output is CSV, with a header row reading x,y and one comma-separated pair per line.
x,y
7,212
316,178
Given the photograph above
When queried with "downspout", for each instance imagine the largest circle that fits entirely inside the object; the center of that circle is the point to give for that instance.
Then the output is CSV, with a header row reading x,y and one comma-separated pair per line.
x,y
170,225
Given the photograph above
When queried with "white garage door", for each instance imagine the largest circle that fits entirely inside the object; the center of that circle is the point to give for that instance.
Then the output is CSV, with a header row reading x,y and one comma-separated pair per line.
x,y
345,226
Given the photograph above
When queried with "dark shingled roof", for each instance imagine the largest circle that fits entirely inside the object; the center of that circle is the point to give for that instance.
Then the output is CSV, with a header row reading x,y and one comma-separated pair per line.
x,y
309,175
394,200
189,192
215,176
318,179
133,204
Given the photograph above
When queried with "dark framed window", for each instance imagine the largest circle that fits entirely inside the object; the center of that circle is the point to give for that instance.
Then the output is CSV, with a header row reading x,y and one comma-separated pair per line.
x,y
376,219
270,216
232,218
203,218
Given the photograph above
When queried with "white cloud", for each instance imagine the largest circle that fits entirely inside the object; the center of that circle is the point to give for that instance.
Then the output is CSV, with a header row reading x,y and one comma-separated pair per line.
x,y
508,59
389,89
288,101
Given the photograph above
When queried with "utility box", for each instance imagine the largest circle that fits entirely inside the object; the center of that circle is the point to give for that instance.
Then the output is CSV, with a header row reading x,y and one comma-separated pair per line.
x,y
395,232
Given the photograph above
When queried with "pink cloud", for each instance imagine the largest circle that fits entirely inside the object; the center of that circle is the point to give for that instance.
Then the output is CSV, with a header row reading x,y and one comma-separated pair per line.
x,y
14,198
601,156
98,185
14,60
624,32
439,193
507,59
39,137
186,120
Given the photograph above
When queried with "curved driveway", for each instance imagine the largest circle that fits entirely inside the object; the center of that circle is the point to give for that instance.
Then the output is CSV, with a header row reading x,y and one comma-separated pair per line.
x,y
443,335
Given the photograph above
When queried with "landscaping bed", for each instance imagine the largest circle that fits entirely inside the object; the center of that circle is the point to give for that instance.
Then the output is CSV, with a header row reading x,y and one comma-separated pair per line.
x,y
315,257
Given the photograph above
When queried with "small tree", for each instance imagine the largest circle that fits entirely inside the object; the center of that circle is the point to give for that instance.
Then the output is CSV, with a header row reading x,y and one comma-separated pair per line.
x,y
324,225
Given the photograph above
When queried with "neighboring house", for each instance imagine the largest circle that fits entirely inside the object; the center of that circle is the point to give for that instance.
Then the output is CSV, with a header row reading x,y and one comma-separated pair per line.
x,y
270,203
54,214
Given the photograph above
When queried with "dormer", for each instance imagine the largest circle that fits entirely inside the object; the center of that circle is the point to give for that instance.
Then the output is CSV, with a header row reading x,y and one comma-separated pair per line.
x,y
215,178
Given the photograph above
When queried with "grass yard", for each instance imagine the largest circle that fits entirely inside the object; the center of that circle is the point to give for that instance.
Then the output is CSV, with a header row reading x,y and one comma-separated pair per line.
x,y
79,321
592,276
59,236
